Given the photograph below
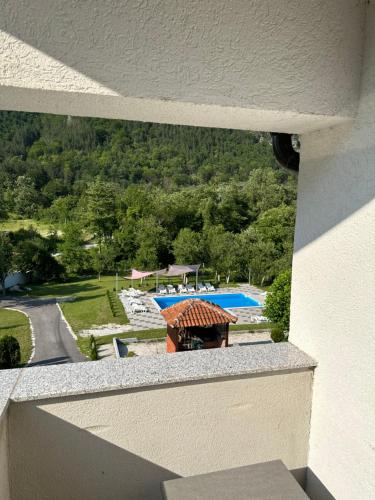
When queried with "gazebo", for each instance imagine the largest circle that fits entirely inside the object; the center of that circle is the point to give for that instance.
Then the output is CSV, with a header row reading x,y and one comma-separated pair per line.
x,y
196,324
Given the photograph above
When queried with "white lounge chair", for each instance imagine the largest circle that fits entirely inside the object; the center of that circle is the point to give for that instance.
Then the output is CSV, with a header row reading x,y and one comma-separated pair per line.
x,y
190,289
201,287
181,289
171,289
210,287
162,290
257,318
139,308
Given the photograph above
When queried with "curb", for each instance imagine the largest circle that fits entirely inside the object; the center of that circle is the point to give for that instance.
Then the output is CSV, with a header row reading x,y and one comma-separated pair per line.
x,y
31,330
66,322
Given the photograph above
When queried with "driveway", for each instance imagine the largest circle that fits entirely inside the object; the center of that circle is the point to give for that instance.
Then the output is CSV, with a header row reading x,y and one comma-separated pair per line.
x,y
53,342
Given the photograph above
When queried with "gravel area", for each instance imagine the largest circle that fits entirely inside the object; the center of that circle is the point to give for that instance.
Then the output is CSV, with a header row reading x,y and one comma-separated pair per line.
x,y
150,348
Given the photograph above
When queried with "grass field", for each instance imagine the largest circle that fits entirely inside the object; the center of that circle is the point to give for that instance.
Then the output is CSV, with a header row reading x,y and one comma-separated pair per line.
x,y
92,305
17,324
16,224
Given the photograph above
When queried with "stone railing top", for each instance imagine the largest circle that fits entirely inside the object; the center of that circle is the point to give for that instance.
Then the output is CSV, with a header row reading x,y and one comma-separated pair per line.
x,y
101,376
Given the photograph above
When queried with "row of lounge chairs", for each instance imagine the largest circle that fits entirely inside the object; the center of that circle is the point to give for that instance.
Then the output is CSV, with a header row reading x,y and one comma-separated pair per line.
x,y
170,289
132,292
131,302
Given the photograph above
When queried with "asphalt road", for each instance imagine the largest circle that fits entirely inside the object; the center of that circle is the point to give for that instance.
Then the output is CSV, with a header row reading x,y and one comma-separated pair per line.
x,y
53,342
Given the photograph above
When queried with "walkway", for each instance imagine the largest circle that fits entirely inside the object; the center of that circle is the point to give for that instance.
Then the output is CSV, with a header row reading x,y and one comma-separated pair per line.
x,y
53,342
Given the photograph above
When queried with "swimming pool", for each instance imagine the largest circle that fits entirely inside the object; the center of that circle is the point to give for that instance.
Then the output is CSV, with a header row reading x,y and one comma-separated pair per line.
x,y
224,300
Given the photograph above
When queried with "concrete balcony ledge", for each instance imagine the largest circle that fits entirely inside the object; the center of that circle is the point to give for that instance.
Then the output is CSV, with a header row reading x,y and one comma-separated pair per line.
x,y
8,379
101,376
127,425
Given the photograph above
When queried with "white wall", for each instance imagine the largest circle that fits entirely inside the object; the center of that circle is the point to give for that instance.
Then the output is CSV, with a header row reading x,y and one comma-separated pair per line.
x,y
333,294
290,65
123,444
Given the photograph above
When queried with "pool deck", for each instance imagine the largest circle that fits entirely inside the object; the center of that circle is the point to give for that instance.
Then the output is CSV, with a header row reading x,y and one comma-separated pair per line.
x,y
153,318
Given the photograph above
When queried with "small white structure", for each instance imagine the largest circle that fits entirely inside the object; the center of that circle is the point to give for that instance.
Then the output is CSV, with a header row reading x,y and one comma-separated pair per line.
x,y
16,278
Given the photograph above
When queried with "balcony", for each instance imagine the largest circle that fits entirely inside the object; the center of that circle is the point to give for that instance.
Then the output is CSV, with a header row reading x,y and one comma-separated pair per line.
x,y
117,429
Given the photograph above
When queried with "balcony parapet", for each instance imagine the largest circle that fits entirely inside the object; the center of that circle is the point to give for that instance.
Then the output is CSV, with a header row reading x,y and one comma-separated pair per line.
x,y
102,376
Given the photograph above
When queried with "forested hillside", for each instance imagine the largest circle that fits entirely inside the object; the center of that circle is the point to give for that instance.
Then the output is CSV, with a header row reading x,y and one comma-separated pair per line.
x,y
147,194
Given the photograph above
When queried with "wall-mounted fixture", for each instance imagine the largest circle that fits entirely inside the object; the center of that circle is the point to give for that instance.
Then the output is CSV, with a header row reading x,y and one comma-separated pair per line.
x,y
284,151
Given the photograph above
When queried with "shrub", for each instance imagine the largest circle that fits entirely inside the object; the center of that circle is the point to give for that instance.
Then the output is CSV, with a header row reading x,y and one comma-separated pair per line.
x,y
278,300
94,355
10,352
277,334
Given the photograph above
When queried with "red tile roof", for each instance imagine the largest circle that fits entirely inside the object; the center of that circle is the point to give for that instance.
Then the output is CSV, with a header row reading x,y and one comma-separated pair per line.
x,y
196,312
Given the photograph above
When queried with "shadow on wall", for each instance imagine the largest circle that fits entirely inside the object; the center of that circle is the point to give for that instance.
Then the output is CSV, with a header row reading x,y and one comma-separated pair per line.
x,y
315,488
153,49
335,181
63,461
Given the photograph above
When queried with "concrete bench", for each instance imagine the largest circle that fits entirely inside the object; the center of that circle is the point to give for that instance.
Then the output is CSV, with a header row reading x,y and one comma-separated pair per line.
x,y
264,481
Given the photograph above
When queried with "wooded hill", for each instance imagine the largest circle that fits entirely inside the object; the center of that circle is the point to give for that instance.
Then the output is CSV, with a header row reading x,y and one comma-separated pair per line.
x,y
149,194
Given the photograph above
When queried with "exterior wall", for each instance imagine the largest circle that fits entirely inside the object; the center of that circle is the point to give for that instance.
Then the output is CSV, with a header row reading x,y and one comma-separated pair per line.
x,y
4,482
290,65
123,444
333,294
172,339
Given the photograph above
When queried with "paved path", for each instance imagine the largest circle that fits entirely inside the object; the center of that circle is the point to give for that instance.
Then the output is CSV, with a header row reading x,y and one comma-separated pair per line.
x,y
150,348
53,342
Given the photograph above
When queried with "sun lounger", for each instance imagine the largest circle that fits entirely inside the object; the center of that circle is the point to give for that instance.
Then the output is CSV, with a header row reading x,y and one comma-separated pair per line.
x,y
182,289
201,287
171,289
139,308
162,290
190,289
257,318
210,287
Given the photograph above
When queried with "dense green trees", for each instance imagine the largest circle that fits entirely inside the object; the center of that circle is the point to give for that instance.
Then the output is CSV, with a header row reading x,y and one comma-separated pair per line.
x,y
147,195
6,261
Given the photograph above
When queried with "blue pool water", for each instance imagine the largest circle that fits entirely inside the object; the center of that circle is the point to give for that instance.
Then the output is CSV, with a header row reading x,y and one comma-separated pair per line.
x,y
224,300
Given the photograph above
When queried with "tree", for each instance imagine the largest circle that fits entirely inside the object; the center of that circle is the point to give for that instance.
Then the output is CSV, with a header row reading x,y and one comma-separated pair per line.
x,y
263,191
152,244
62,209
33,258
187,248
222,250
277,308
10,352
100,209
74,256
6,259
103,258
26,198
3,210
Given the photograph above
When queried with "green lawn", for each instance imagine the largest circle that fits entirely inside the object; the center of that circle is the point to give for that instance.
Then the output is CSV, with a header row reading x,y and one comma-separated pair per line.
x,y
16,224
91,306
17,324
